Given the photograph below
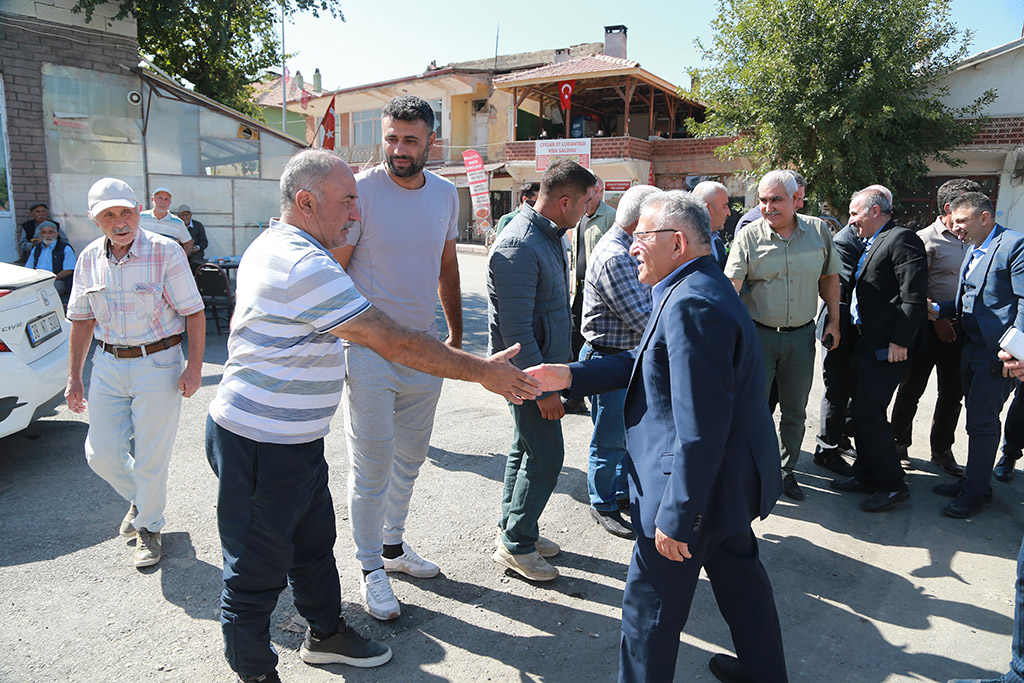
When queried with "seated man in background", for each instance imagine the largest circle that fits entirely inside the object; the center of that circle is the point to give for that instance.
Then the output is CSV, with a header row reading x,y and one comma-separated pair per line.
x,y
27,236
197,231
53,253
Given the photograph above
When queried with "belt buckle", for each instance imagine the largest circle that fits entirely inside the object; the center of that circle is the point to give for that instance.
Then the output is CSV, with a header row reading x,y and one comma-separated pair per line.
x,y
116,350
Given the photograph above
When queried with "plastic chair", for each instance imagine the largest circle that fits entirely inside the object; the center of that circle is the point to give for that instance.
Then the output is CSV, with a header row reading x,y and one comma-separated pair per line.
x,y
215,289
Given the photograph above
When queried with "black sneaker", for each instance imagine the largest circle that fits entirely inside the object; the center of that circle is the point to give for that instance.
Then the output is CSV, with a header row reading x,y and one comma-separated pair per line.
x,y
271,677
344,647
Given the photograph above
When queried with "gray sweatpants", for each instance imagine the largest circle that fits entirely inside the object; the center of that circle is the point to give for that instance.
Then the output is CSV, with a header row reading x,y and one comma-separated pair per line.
x,y
389,415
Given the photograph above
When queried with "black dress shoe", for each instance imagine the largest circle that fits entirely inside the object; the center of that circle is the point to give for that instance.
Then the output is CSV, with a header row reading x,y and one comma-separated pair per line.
x,y
726,668
851,485
965,505
1004,468
613,523
955,489
947,463
623,505
576,406
791,488
950,490
883,500
831,460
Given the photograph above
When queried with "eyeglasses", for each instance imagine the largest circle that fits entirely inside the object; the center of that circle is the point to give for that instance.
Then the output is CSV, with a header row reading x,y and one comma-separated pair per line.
x,y
647,235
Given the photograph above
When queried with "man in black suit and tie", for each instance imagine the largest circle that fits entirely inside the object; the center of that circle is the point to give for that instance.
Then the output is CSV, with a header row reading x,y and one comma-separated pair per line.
x,y
716,198
702,453
887,309
989,300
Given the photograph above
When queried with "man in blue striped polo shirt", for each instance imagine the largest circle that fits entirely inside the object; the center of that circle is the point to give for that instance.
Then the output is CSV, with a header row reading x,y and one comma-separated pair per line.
x,y
281,386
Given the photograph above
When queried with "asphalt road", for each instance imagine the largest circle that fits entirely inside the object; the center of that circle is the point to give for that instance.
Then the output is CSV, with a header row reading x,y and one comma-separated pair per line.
x,y
907,595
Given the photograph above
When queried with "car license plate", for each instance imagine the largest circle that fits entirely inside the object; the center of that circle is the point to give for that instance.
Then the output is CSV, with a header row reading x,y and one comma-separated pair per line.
x,y
42,328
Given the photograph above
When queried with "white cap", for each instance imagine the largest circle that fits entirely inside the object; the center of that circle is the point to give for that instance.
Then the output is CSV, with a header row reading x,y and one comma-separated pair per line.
x,y
160,189
110,192
184,208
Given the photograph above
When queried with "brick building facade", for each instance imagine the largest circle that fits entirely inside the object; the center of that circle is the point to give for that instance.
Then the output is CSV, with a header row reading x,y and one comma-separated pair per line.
x,y
33,33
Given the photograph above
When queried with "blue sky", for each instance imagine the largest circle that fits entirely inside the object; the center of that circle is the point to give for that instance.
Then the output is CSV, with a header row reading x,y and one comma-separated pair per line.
x,y
391,39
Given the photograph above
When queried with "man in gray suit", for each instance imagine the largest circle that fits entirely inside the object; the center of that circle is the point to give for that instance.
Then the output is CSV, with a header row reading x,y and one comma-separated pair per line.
x,y
989,300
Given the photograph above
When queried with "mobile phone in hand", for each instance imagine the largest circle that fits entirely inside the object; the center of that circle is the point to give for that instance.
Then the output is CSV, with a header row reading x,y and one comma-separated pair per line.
x,y
828,341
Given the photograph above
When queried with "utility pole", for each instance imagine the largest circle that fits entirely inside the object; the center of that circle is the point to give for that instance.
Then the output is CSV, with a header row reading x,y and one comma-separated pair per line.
x,y
284,79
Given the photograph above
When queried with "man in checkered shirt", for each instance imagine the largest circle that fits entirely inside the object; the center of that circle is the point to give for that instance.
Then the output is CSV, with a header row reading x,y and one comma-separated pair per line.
x,y
134,292
616,307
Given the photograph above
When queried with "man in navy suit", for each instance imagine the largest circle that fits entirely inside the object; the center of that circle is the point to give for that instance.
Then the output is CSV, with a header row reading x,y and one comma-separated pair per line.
x,y
989,300
702,453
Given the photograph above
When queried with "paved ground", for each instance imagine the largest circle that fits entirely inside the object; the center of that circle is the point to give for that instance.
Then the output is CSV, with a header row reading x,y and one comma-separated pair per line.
x,y
904,596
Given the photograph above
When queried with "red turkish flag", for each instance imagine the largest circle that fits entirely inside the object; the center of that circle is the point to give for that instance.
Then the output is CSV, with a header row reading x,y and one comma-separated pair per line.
x,y
328,125
305,99
565,89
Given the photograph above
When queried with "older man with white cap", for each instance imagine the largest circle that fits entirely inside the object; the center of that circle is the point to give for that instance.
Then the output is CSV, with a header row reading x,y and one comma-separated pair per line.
x,y
133,291
159,220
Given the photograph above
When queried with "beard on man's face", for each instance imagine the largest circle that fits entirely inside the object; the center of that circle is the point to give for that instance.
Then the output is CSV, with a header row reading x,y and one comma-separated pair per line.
x,y
415,164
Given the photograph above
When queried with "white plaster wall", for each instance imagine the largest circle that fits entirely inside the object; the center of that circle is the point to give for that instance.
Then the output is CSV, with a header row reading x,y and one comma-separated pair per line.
x,y
1004,73
59,12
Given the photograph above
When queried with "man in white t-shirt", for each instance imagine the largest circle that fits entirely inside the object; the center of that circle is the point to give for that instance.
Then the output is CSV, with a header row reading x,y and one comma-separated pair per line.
x,y
161,221
281,385
401,256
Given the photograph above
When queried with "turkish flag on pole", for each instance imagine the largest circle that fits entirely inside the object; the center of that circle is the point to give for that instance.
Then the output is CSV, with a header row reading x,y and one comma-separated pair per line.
x,y
328,125
565,89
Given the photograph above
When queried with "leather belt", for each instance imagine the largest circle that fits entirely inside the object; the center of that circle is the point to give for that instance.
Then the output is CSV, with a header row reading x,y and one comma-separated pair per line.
x,y
784,330
136,351
606,350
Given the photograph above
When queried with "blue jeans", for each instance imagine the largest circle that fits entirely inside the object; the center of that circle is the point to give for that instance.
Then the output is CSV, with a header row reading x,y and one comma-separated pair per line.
x,y
606,473
276,523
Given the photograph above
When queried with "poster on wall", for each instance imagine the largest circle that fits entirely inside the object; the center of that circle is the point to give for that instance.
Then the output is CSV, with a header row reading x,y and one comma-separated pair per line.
x,y
547,151
478,190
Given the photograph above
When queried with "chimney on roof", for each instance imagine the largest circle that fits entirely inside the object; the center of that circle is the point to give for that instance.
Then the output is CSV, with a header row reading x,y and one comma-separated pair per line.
x,y
298,80
561,55
317,82
615,41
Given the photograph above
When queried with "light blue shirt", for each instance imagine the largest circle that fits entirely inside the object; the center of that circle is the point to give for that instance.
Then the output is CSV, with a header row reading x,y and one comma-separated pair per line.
x,y
854,307
979,252
659,288
45,260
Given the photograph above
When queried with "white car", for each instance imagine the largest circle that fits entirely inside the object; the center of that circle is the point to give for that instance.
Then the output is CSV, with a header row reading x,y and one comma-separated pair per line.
x,y
33,346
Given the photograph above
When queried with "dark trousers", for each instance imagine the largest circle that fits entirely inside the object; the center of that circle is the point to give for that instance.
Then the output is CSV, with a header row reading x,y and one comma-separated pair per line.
x,y
1013,431
985,393
577,321
657,598
276,523
945,358
531,472
878,462
837,375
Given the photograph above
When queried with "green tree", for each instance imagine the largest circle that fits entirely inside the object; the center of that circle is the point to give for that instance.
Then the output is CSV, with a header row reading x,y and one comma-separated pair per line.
x,y
220,46
847,91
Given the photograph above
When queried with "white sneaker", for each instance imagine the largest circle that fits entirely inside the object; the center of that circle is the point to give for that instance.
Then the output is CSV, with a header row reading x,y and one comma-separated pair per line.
x,y
411,563
148,548
127,529
546,547
531,565
380,600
